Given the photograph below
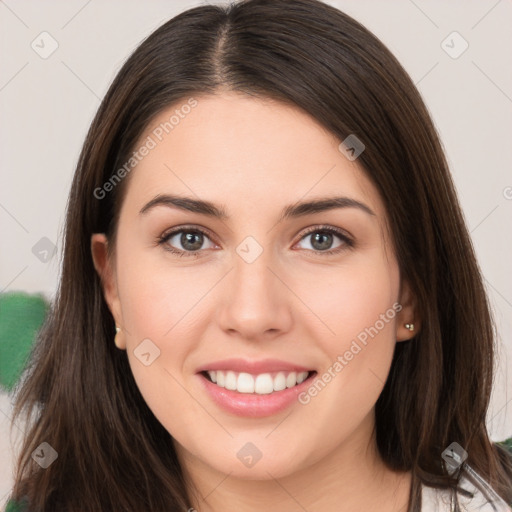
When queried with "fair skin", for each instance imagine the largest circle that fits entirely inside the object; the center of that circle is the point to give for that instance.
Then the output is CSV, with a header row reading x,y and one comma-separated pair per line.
x,y
252,157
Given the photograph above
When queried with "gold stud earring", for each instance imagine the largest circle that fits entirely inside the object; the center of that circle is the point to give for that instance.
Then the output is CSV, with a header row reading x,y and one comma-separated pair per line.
x,y
116,340
410,327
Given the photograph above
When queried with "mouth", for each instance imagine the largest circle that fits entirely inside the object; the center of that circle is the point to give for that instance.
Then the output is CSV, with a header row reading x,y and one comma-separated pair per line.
x,y
254,388
255,395
257,384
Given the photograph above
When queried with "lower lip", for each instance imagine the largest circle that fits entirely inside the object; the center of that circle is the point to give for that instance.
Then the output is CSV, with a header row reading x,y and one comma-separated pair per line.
x,y
251,404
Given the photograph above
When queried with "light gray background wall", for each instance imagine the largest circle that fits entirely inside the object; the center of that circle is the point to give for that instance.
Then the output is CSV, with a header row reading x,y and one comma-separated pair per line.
x,y
46,105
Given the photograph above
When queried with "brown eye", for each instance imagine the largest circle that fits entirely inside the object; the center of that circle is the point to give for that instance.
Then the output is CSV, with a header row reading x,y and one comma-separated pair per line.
x,y
191,241
322,241
327,240
185,241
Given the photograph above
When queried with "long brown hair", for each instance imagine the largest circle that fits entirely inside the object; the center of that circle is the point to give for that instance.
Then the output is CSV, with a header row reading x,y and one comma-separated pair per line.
x,y
78,392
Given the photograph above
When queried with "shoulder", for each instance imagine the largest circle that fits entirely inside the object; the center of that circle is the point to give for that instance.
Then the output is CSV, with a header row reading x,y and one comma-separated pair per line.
x,y
440,500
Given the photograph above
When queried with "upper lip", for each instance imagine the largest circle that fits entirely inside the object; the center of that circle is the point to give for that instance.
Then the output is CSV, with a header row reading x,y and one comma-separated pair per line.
x,y
253,367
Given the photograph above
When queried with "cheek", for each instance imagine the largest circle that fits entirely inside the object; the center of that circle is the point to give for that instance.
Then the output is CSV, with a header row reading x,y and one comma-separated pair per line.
x,y
358,305
351,300
166,303
157,298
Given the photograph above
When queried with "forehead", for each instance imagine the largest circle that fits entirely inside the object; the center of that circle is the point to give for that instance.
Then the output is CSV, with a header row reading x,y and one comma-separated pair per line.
x,y
242,150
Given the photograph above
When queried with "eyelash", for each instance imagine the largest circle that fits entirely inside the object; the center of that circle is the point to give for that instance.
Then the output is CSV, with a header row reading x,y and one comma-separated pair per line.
x,y
347,241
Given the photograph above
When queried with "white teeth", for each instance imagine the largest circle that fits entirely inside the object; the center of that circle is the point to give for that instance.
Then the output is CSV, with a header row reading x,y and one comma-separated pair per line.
x,y
245,383
262,384
230,381
291,380
301,377
280,382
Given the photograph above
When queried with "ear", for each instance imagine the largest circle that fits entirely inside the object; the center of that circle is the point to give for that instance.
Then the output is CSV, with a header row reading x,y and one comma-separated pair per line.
x,y
106,271
407,315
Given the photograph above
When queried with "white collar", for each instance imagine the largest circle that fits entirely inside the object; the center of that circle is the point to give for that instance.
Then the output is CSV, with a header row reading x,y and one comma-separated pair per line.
x,y
439,500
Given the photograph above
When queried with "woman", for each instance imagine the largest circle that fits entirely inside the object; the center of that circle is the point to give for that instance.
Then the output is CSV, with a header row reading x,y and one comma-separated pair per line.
x,y
269,298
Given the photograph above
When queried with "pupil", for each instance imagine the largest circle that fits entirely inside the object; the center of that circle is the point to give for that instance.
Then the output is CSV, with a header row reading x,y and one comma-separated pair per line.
x,y
187,241
324,241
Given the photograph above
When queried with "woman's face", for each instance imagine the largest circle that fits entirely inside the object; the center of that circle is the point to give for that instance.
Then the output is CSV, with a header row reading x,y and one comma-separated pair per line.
x,y
259,296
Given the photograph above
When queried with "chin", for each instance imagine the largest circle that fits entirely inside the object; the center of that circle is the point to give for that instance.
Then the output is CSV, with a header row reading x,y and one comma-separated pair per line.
x,y
249,464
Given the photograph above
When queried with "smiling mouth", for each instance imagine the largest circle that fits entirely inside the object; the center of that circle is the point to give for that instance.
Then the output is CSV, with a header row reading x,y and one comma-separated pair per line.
x,y
261,384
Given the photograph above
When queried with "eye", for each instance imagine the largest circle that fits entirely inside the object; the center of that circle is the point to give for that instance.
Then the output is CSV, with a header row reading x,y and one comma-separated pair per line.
x,y
189,241
323,240
185,241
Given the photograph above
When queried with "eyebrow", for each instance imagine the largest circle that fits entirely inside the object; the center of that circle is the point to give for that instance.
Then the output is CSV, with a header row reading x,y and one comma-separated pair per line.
x,y
291,211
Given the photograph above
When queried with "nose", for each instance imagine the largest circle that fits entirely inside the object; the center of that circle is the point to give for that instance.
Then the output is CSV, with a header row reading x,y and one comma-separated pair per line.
x,y
256,303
